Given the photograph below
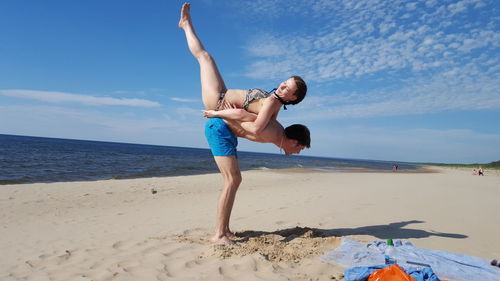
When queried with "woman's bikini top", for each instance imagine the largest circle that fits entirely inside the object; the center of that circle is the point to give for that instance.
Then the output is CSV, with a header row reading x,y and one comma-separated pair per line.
x,y
254,94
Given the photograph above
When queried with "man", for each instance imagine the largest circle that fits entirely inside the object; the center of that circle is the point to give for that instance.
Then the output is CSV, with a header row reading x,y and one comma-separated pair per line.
x,y
222,136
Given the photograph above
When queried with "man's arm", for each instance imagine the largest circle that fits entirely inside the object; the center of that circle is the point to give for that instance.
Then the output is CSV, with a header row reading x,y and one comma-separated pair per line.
x,y
236,114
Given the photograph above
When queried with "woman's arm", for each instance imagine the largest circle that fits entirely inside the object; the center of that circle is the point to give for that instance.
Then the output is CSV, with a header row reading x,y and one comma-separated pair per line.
x,y
257,123
231,114
269,110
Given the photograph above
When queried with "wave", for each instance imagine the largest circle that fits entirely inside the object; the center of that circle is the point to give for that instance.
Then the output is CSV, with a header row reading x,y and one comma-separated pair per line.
x,y
32,159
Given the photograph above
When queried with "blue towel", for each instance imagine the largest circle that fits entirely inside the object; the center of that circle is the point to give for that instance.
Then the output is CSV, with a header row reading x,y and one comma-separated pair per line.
x,y
362,273
445,265
425,274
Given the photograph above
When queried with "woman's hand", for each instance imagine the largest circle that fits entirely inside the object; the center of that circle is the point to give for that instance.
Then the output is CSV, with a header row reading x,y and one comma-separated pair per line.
x,y
209,113
226,105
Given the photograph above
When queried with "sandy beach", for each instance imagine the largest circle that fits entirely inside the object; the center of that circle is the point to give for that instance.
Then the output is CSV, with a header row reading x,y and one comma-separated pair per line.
x,y
286,220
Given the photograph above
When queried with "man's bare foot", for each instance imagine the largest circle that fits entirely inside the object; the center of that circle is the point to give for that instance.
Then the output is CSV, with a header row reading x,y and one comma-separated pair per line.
x,y
230,235
221,240
185,15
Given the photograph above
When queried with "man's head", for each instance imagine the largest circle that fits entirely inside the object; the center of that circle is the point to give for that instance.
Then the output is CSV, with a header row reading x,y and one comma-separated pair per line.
x,y
297,137
293,90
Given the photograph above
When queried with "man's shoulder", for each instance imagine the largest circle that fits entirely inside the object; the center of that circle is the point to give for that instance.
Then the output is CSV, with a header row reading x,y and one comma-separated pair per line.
x,y
272,132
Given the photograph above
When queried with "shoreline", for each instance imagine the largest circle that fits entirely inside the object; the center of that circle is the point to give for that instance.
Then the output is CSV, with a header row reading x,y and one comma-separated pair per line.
x,y
101,228
425,169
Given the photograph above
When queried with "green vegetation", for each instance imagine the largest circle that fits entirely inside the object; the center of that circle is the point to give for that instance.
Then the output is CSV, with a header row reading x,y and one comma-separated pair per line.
x,y
493,165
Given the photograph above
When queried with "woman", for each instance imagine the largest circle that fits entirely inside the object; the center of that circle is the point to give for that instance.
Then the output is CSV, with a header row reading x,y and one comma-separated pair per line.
x,y
216,96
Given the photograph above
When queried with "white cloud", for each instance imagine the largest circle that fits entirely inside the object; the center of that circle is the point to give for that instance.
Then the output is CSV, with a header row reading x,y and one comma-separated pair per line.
x,y
425,145
53,121
59,97
348,44
323,59
386,26
432,61
184,100
188,113
379,143
457,7
411,6
459,88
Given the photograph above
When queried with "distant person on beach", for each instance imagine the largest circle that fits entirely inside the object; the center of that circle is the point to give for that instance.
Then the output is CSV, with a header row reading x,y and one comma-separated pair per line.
x,y
216,96
480,171
248,114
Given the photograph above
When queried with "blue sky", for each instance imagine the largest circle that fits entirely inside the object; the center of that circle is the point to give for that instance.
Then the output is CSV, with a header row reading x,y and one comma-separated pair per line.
x,y
388,80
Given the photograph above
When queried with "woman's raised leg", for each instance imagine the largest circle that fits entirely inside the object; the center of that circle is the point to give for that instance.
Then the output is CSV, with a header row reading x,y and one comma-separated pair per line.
x,y
212,84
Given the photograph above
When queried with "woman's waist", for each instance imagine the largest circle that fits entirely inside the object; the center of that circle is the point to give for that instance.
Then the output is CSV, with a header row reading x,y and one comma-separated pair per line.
x,y
237,99
233,98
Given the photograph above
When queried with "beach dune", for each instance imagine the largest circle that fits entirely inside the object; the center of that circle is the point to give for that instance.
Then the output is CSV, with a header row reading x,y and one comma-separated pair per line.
x,y
285,221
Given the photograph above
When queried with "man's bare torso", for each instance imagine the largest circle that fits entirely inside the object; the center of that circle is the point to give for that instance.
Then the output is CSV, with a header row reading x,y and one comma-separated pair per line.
x,y
273,132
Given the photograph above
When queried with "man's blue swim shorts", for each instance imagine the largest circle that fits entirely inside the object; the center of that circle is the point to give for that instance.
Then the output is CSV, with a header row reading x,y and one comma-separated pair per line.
x,y
220,138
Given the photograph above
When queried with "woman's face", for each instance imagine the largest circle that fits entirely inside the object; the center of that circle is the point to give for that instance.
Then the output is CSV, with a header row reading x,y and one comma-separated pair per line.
x,y
287,89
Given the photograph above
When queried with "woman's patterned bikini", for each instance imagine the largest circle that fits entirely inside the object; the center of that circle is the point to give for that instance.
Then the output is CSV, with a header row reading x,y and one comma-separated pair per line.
x,y
252,94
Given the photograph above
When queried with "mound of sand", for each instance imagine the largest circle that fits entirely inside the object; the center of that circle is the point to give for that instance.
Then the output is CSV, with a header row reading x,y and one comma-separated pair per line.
x,y
288,245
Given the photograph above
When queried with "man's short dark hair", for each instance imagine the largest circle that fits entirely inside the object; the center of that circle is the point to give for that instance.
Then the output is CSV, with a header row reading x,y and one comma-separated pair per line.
x,y
300,133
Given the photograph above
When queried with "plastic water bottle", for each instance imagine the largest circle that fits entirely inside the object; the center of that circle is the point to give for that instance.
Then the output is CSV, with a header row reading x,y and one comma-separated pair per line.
x,y
389,253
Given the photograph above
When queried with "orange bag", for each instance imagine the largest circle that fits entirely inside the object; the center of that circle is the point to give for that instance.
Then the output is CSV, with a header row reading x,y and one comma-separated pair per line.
x,y
390,273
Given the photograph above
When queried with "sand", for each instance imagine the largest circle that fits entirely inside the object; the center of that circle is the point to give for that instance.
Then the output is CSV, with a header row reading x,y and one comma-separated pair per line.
x,y
285,221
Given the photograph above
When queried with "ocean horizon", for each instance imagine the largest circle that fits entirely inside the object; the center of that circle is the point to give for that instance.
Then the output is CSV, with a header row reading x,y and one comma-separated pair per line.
x,y
28,159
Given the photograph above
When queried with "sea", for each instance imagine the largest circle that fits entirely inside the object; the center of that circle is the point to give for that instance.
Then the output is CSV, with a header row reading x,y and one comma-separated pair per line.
x,y
25,159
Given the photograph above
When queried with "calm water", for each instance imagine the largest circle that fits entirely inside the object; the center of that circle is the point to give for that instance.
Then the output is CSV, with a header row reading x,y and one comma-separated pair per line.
x,y
33,159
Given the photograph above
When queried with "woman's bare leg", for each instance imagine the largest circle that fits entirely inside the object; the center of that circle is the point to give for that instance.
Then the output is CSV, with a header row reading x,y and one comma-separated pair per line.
x,y
212,83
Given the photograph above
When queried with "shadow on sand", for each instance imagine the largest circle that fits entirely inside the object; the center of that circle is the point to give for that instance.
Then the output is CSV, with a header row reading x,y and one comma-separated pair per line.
x,y
395,230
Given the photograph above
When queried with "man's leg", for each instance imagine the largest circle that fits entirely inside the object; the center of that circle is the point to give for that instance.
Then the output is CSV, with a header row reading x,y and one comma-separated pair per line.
x,y
230,170
212,84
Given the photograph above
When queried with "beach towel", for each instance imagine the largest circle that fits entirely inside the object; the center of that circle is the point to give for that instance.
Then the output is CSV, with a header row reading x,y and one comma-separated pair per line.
x,y
362,273
445,265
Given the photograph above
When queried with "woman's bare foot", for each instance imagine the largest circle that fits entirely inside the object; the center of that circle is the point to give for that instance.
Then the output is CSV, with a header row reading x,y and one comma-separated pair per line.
x,y
221,240
185,15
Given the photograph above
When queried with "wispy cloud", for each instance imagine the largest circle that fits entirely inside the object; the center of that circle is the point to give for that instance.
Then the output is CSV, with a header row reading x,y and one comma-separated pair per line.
x,y
184,100
431,60
92,123
354,52
424,145
457,89
60,97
